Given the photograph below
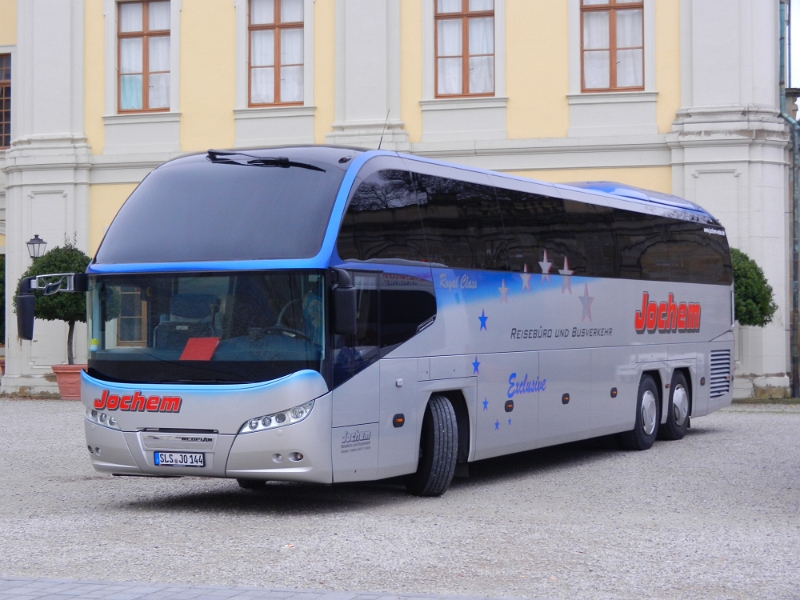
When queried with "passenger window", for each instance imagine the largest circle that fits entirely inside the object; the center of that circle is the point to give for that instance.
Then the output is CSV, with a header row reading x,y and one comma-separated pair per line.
x,y
463,226
536,224
353,353
383,221
407,302
594,253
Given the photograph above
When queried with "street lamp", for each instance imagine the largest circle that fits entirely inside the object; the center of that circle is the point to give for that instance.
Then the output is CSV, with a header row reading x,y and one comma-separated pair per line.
x,y
36,246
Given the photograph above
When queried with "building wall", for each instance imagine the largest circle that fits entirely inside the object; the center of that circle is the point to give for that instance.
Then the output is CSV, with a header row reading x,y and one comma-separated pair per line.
x,y
704,126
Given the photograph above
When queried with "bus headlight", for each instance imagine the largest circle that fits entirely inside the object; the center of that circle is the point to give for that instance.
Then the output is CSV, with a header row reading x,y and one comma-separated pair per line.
x,y
101,418
278,419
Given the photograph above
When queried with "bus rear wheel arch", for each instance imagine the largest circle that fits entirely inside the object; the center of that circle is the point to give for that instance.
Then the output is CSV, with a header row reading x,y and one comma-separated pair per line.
x,y
438,449
648,416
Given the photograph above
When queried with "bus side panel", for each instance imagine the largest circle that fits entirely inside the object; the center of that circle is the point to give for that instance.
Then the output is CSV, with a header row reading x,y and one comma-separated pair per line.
x,y
399,445
565,409
700,392
615,382
356,400
509,389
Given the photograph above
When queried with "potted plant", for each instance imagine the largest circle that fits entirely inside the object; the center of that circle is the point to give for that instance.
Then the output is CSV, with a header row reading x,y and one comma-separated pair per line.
x,y
69,308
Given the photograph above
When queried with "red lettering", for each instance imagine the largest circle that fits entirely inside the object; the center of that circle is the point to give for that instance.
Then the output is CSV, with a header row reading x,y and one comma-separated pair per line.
x,y
138,402
152,403
652,316
170,404
693,318
682,316
672,314
662,313
125,403
113,402
640,317
100,403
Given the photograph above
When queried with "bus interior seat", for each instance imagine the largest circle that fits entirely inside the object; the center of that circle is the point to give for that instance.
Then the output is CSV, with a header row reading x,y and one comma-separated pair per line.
x,y
190,316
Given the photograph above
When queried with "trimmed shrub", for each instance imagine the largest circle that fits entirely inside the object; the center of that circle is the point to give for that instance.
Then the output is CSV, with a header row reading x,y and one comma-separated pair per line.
x,y
755,303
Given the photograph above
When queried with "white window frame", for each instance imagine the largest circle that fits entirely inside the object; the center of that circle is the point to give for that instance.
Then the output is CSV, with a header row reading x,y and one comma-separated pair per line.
x,y
429,53
649,30
14,95
242,22
111,13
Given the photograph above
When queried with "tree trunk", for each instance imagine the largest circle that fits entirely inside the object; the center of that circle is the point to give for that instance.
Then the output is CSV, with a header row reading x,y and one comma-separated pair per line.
x,y
70,335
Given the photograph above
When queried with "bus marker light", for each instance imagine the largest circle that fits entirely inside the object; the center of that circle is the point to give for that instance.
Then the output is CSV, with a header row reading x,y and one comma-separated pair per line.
x,y
509,405
613,392
398,420
565,399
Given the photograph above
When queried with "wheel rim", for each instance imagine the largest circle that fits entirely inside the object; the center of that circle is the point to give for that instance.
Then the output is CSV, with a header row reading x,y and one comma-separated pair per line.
x,y
680,405
649,412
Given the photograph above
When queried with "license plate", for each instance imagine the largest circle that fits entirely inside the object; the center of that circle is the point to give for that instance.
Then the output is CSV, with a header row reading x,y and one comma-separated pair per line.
x,y
179,459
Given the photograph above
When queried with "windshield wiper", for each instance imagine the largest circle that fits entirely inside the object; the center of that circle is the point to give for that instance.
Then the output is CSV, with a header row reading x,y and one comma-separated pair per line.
x,y
223,156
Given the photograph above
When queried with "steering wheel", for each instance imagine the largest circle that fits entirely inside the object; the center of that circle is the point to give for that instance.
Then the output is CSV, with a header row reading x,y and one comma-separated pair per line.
x,y
283,311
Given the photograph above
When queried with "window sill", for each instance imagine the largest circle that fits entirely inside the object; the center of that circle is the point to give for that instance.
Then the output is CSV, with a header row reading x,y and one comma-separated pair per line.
x,y
142,117
611,97
465,102
273,112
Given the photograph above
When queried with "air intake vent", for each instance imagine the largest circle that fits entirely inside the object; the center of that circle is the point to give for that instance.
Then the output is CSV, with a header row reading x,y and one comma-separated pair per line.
x,y
720,373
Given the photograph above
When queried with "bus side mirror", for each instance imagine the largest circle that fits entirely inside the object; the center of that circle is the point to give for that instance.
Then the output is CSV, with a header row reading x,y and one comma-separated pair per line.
x,y
344,304
26,302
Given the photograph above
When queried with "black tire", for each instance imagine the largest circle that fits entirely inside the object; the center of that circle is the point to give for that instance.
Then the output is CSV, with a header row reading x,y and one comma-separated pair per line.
x,y
438,450
251,484
648,414
680,401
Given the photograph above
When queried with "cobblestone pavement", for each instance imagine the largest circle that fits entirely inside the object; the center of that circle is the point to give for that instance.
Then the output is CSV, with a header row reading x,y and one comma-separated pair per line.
x,y
716,515
62,589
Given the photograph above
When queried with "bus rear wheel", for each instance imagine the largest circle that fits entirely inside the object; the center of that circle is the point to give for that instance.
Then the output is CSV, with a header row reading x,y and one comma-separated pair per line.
x,y
438,450
678,410
644,432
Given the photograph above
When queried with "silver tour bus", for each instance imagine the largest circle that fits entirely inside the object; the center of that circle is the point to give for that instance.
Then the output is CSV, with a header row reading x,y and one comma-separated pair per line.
x,y
328,314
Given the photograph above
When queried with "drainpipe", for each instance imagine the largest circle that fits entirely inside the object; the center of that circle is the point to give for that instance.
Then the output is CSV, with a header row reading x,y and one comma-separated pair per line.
x,y
795,127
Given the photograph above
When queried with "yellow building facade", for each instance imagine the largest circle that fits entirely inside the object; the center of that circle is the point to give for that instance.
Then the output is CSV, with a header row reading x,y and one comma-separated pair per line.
x,y
652,93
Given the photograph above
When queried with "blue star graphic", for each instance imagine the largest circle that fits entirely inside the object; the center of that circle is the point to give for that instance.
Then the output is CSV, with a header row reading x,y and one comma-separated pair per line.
x,y
496,425
509,421
475,366
485,404
483,318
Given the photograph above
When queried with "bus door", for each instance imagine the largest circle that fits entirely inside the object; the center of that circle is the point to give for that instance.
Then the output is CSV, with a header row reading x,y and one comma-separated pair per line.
x,y
356,381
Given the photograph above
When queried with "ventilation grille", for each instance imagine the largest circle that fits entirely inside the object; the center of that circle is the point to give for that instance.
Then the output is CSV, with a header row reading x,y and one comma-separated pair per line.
x,y
720,373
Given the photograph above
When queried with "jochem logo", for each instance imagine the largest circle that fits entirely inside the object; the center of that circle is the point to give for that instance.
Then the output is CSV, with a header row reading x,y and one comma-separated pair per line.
x,y
356,436
533,386
138,403
667,317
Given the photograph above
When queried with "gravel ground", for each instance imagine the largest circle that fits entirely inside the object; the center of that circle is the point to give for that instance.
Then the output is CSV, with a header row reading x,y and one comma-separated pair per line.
x,y
713,516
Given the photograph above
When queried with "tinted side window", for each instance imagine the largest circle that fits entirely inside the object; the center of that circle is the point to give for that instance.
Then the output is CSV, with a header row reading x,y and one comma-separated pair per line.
x,y
383,221
661,249
463,226
593,229
536,224
406,303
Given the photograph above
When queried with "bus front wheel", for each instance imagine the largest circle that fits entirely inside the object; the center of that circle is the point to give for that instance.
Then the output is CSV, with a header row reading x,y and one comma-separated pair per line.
x,y
644,432
438,450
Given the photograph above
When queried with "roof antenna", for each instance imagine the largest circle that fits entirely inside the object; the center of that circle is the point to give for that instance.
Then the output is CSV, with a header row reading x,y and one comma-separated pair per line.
x,y
384,128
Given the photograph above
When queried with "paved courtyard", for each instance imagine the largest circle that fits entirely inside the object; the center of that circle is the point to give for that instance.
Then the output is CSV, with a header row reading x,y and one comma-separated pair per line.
x,y
713,516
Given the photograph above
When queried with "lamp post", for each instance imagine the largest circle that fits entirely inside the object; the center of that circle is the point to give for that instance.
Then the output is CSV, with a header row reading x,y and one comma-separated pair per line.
x,y
36,246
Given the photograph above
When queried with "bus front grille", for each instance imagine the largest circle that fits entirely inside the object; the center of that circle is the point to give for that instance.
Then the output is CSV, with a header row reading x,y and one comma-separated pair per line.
x,y
720,373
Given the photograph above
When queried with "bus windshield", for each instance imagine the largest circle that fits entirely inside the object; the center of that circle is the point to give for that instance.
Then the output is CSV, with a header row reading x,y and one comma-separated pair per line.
x,y
205,328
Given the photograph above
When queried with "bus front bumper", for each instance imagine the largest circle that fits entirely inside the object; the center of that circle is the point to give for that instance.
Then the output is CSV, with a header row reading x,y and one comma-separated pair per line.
x,y
297,452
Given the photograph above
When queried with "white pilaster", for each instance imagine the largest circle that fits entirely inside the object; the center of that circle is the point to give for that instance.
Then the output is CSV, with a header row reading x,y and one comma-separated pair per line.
x,y
368,75
729,154
47,171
